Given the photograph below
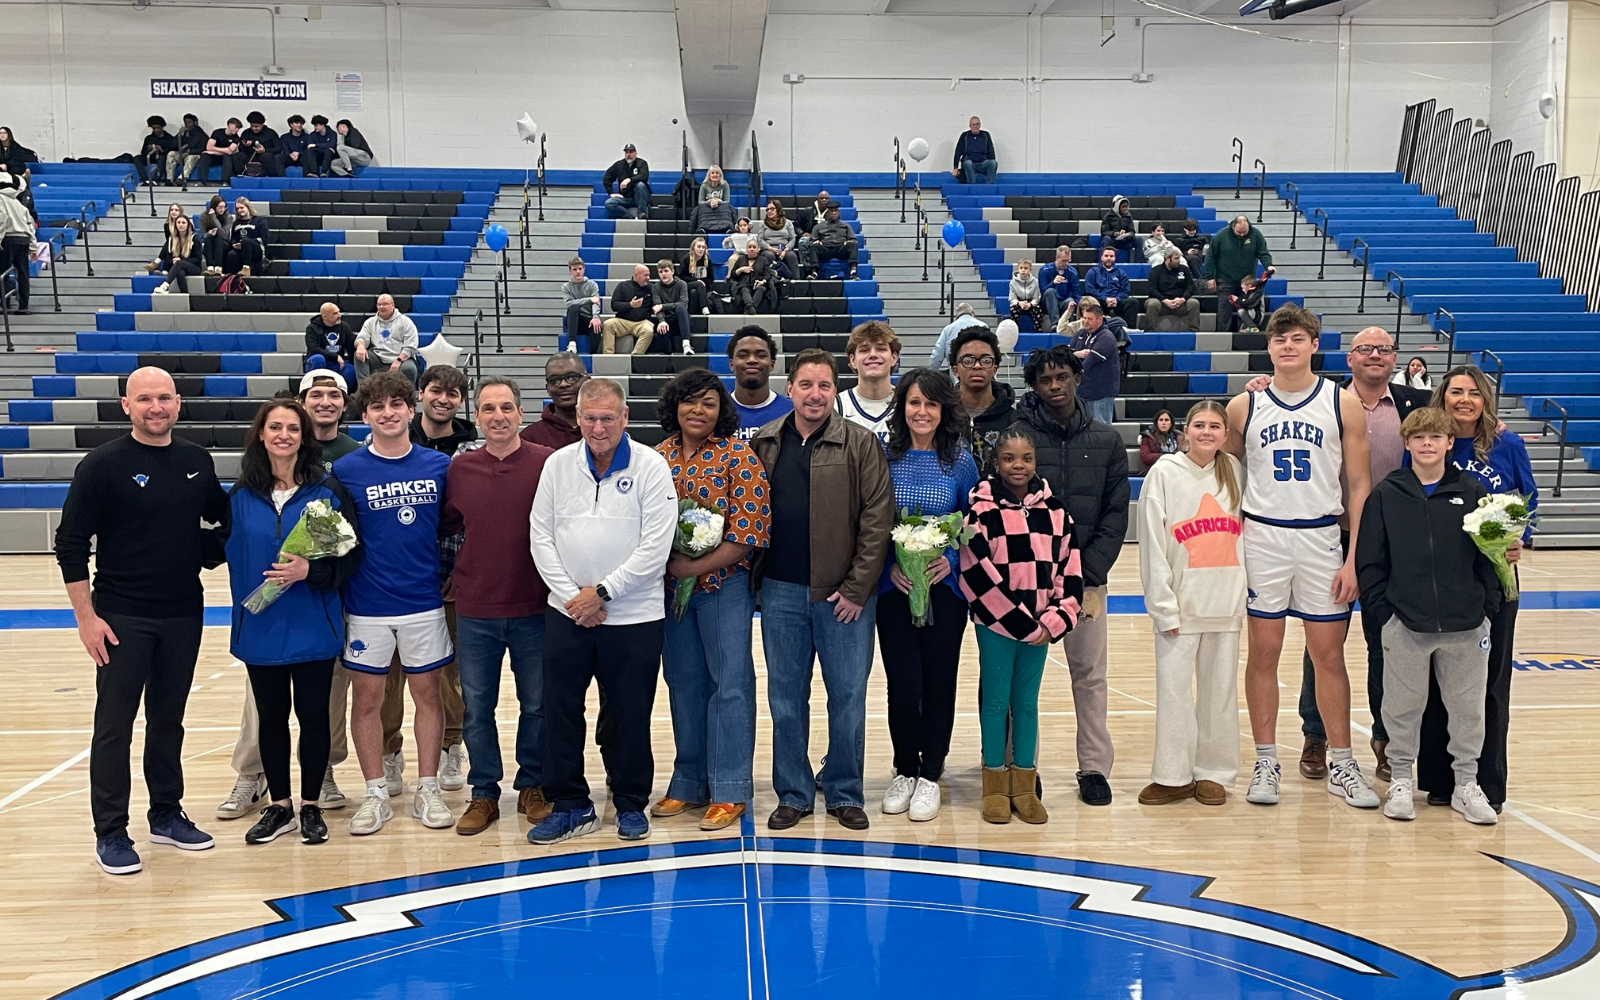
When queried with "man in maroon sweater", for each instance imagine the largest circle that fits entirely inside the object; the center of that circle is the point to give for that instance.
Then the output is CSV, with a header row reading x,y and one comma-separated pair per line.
x,y
500,601
557,427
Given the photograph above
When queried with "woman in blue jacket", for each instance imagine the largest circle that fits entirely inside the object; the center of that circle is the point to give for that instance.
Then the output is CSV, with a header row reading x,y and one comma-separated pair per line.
x,y
293,642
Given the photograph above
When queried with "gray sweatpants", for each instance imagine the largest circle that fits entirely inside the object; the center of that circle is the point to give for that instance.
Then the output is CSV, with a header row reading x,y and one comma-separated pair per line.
x,y
1460,661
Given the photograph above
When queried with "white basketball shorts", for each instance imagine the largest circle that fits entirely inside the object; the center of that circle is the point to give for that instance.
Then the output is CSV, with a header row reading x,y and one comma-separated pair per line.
x,y
1290,572
422,639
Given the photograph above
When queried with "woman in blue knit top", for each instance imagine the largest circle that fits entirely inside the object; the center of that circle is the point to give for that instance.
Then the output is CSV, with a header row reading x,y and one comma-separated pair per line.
x,y
933,473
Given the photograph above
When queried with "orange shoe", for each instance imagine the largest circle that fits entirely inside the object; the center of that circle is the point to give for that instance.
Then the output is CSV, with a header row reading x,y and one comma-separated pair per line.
x,y
669,806
722,814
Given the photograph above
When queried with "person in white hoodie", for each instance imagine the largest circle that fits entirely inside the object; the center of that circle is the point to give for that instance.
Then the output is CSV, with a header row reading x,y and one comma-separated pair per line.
x,y
16,235
601,528
1157,246
1190,561
391,338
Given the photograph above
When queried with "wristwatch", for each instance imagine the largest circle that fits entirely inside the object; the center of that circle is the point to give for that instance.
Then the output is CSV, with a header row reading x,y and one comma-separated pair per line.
x,y
601,592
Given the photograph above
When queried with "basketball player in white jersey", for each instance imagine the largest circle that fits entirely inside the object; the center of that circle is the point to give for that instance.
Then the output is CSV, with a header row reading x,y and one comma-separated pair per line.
x,y
1297,440
873,350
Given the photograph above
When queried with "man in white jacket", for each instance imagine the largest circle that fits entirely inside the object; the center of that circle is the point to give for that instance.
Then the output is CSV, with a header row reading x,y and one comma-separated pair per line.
x,y
387,340
601,527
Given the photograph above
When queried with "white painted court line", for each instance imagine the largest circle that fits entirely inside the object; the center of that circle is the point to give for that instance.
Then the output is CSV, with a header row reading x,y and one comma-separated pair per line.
x,y
136,775
1555,835
41,779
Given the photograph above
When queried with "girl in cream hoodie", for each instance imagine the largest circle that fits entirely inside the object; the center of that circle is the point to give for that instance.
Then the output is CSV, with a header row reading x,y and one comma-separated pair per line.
x,y
1190,560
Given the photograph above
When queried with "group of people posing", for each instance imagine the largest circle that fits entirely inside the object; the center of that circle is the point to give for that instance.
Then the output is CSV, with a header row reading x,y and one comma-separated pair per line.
x,y
249,147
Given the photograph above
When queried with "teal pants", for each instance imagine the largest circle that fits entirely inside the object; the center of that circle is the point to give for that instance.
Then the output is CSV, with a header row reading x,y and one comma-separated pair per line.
x,y
1010,672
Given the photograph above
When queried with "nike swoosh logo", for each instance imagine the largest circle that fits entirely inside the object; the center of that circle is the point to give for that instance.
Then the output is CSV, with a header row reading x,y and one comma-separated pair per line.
x,y
191,475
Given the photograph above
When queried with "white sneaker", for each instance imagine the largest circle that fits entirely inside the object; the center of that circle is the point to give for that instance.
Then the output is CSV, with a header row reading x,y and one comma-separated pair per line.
x,y
1473,805
450,777
428,806
1264,783
374,812
705,310
688,348
394,772
248,791
331,798
1345,780
898,798
162,289
1399,806
925,801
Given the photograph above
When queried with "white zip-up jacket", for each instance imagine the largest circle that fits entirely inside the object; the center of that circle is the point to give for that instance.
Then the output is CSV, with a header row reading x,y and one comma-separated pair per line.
x,y
615,531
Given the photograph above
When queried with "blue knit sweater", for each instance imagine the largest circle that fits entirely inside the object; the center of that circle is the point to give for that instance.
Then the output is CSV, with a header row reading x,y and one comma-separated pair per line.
x,y
922,485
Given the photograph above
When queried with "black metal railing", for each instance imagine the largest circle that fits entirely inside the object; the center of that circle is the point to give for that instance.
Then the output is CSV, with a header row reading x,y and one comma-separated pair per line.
x,y
900,178
127,234
1261,183
755,172
1499,374
1238,181
544,188
1396,291
8,277
1366,271
477,344
86,222
1322,268
1294,225
55,256
1561,435
1449,335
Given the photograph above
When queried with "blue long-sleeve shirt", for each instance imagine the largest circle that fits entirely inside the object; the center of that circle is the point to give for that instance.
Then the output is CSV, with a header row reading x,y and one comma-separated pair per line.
x,y
947,336
1507,469
1069,290
1103,283
923,485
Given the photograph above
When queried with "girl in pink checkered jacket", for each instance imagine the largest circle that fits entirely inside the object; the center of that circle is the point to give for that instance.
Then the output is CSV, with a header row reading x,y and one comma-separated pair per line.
x,y
1020,572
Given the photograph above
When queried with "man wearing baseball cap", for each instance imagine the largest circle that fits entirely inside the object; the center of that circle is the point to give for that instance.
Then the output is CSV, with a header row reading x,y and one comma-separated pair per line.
x,y
322,393
631,175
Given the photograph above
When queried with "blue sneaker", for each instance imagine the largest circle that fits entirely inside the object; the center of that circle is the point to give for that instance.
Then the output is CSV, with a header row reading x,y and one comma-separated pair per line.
x,y
632,826
116,855
180,833
563,825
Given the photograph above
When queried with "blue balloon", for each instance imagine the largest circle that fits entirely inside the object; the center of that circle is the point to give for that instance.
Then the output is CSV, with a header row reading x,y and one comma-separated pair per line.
x,y
954,233
497,237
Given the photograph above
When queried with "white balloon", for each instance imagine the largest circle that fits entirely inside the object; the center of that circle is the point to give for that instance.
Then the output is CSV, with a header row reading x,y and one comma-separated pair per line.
x,y
1006,333
527,129
440,352
917,149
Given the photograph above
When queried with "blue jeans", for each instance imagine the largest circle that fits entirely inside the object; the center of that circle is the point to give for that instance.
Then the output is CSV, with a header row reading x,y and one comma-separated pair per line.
x,y
637,199
795,631
481,643
1103,410
979,171
711,686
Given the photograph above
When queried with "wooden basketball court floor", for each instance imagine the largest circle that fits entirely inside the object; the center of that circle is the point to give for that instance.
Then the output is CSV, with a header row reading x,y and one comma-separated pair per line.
x,y
1435,890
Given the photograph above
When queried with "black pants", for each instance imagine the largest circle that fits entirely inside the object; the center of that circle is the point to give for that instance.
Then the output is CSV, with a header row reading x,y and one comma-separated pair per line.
x,y
16,250
749,299
153,660
578,318
1131,309
626,660
230,164
151,168
315,162
313,685
217,250
271,165
701,298
1434,773
181,271
920,666
1227,313
820,253
249,254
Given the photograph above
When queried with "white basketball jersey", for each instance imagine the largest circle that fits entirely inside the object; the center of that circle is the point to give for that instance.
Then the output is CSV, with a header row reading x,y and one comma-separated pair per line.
x,y
870,414
1293,453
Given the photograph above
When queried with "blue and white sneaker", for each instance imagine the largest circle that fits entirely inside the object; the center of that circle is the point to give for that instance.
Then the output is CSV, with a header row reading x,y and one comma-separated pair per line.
x,y
180,833
116,855
564,825
632,826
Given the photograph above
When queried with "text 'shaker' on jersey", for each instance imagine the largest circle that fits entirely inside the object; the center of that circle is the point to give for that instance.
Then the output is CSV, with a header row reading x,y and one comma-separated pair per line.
x,y
382,496
1291,430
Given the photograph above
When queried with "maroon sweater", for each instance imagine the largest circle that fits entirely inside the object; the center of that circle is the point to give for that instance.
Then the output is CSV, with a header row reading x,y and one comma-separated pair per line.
x,y
491,499
551,431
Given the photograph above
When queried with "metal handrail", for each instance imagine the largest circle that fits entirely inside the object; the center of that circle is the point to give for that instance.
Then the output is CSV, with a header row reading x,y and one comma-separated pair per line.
x,y
1366,270
5,309
152,188
55,280
1499,368
1261,185
1399,293
88,262
900,178
477,342
1294,226
1322,269
543,188
1238,182
127,234
1561,452
1450,337
755,171
922,232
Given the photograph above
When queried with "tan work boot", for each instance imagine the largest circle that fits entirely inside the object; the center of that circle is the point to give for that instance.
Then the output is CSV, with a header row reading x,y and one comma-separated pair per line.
x,y
480,815
996,795
1024,795
1155,794
531,803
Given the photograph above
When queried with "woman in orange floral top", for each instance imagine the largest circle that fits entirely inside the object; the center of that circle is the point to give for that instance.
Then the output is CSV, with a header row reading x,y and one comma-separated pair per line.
x,y
711,675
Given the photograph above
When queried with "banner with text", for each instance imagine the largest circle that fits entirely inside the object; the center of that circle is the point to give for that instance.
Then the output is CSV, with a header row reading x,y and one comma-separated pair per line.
x,y
256,90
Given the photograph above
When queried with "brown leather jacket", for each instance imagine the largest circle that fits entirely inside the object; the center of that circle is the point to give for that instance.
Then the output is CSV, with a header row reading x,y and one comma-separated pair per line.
x,y
852,507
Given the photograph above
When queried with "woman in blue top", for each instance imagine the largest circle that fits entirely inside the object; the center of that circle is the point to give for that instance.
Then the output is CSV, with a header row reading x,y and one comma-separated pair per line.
x,y
933,474
1499,460
292,642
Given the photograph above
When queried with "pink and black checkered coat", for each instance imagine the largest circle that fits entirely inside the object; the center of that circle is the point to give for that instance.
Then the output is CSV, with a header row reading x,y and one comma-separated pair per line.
x,y
1020,571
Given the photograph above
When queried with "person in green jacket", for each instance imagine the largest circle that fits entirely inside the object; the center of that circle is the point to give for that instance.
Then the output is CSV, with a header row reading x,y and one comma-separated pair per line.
x,y
1233,256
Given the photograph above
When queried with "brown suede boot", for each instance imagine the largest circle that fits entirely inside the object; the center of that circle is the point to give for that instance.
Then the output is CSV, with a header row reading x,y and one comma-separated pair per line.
x,y
1155,794
996,797
1024,796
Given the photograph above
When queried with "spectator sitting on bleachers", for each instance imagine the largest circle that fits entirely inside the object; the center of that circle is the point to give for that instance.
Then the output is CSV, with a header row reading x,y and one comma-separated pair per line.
x,y
180,258
1193,243
16,235
741,235
14,157
174,211
631,328
975,160
330,343
246,250
1415,374
261,145
389,337
151,163
776,235
714,190
322,147
1172,293
669,306
1059,281
712,217
297,147
1119,230
1156,246
1097,340
183,163
223,149
216,226
832,239
580,300
1250,303
1109,283
353,150
753,280
805,220
631,175
1162,437
1026,299
965,318
699,273
1231,258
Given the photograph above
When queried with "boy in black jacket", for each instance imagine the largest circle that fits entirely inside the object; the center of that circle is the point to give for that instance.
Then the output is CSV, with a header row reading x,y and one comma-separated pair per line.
x,y
1425,580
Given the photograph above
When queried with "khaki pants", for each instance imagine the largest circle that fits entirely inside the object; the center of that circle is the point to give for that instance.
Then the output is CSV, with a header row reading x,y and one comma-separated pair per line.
x,y
1154,309
632,336
1085,652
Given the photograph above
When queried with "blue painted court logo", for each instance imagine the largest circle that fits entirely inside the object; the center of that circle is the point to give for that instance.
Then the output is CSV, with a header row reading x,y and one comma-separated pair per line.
x,y
793,918
141,479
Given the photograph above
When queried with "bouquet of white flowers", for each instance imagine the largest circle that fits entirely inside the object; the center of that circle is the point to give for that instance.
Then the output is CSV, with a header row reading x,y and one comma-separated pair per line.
x,y
699,531
919,540
1495,526
322,533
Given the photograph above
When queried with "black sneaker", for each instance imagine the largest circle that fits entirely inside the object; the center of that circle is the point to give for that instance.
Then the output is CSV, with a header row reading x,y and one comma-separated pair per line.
x,y
312,829
1438,798
275,821
1093,788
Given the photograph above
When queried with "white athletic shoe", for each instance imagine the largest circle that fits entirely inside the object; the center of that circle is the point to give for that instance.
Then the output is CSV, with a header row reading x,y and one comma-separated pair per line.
x,y
162,288
1473,805
394,772
688,348
374,812
1345,780
925,801
450,777
331,798
898,797
248,791
1399,806
428,806
1264,783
